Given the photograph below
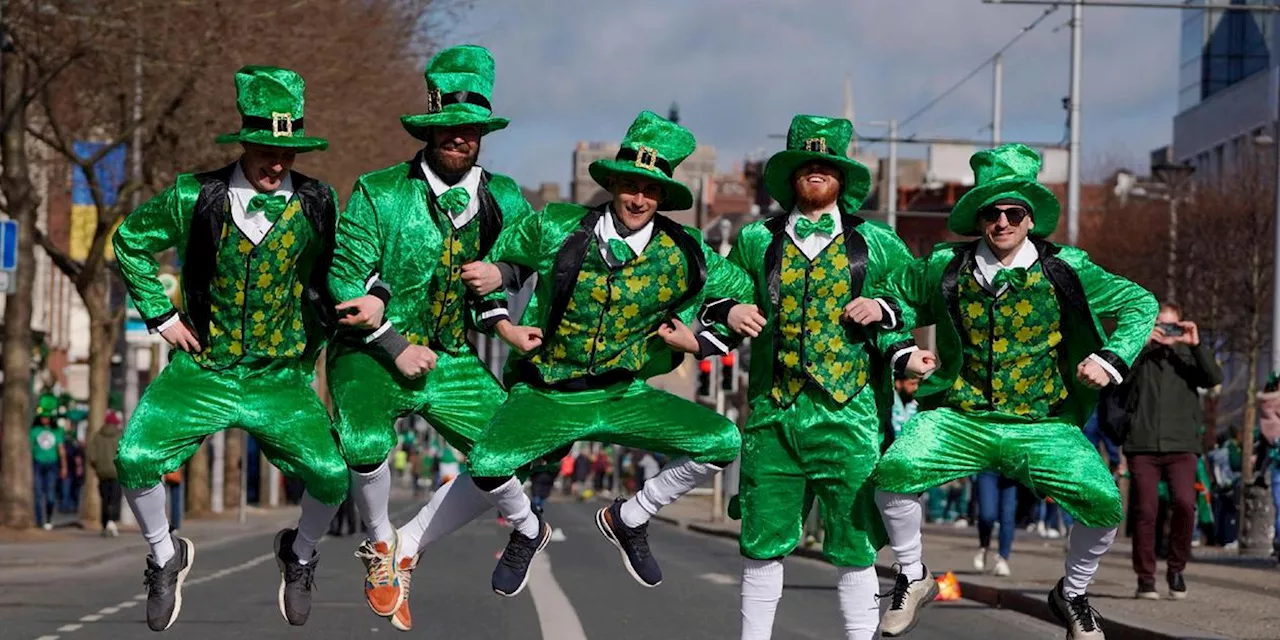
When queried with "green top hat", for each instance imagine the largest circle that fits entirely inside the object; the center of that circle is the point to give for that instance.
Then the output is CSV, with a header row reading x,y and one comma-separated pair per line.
x,y
817,138
459,85
270,101
652,148
1006,172
47,405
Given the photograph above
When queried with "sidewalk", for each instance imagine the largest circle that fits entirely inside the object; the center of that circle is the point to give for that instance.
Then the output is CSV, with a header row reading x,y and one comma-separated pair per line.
x,y
1226,599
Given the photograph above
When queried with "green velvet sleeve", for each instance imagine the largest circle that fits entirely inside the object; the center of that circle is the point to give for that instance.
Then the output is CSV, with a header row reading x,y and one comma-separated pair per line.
x,y
888,253
1110,296
357,253
157,225
907,288
487,311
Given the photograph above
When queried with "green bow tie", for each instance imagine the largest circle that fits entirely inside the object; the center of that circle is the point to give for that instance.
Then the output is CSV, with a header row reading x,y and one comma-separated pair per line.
x,y
1014,277
806,227
621,250
455,200
271,205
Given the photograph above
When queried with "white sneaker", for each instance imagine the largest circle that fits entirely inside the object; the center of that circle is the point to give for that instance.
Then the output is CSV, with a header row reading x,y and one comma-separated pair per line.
x,y
980,560
908,597
1053,534
961,523
1230,545
112,529
1040,529
1083,622
48,526
1001,569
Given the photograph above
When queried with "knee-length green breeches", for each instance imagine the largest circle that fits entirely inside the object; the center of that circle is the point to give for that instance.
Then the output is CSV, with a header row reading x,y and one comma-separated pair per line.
x,y
273,401
813,448
534,422
1050,457
458,398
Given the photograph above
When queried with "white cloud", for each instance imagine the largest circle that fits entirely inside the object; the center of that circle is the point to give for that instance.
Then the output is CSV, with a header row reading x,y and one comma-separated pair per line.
x,y
574,70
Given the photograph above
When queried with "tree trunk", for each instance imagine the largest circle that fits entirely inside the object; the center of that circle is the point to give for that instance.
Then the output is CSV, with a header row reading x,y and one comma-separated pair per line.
x,y
231,464
22,203
102,341
198,482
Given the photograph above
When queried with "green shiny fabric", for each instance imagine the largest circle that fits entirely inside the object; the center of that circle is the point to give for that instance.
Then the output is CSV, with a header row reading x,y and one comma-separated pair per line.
x,y
272,93
533,422
272,400
1050,457
458,398
813,448
462,68
653,139
825,140
1011,348
1008,171
613,314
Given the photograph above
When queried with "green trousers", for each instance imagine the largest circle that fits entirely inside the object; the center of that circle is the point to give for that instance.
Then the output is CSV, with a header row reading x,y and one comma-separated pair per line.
x,y
1050,457
458,398
813,448
271,400
534,422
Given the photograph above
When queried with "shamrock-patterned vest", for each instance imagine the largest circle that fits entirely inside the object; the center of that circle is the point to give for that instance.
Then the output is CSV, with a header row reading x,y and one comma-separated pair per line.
x,y
613,314
256,295
812,344
1010,348
446,323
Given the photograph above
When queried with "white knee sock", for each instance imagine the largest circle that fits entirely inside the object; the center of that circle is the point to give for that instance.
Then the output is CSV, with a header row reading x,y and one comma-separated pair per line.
x,y
148,507
858,586
1087,546
903,515
312,525
372,495
663,489
761,591
514,505
452,507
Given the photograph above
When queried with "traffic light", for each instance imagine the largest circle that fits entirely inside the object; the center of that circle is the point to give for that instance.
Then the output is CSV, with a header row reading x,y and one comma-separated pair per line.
x,y
705,370
729,372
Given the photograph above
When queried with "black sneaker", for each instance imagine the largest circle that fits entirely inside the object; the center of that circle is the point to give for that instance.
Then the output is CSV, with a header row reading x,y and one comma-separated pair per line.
x,y
164,585
1177,586
1082,620
1146,591
296,580
512,572
631,542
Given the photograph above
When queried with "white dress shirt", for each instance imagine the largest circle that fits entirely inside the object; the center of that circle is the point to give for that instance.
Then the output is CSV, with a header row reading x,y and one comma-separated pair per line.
x,y
254,225
470,181
606,231
817,242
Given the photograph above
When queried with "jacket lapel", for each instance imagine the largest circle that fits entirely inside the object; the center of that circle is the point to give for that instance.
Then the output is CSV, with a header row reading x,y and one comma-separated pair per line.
x,y
568,264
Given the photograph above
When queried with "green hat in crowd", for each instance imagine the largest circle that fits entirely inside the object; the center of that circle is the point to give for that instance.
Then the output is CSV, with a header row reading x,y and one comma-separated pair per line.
x,y
459,87
822,139
652,148
270,102
1009,172
47,405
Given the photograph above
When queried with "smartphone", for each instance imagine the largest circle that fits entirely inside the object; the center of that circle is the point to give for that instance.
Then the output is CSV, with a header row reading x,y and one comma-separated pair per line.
x,y
1170,329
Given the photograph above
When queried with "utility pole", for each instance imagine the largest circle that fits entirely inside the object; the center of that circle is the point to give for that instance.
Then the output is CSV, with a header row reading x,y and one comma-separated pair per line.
x,y
891,204
997,98
1073,123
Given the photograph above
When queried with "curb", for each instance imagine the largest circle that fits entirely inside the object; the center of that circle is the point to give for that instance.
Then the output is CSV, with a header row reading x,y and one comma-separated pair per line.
x,y
1033,605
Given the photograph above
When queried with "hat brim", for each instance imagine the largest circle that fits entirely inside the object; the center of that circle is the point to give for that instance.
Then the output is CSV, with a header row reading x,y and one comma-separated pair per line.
x,y
420,126
675,195
781,168
1045,207
298,143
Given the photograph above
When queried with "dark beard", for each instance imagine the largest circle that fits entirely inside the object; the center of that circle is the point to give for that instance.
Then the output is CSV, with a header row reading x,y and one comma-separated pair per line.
x,y
451,169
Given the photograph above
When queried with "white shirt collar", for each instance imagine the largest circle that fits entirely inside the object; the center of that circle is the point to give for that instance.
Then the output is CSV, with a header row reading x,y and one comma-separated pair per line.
x,y
817,242
987,265
470,181
605,231
240,191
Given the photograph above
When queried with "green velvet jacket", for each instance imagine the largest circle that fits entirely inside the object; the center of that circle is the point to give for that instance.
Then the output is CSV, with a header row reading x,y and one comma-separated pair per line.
x,y
926,291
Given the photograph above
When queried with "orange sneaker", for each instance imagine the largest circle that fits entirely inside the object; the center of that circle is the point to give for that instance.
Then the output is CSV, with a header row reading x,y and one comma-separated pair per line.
x,y
402,620
382,582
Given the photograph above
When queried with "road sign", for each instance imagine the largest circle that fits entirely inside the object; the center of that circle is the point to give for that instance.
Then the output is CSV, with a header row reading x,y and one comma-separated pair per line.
x,y
8,255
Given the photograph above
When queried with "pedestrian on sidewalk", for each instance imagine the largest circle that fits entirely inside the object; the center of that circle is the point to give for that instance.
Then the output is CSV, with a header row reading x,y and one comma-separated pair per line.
x,y
1269,425
102,457
1163,442
1023,353
997,502
48,459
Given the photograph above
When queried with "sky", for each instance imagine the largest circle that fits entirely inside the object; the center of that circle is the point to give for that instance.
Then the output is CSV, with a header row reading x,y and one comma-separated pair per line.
x,y
571,70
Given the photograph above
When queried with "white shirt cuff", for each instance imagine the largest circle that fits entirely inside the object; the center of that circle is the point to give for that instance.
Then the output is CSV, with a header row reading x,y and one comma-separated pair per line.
x,y
495,313
368,284
1111,371
173,319
381,330
889,318
903,352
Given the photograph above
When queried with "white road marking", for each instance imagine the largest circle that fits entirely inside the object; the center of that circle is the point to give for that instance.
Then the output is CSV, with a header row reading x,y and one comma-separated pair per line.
x,y
719,578
106,611
68,628
128,603
140,597
48,637
556,616
91,618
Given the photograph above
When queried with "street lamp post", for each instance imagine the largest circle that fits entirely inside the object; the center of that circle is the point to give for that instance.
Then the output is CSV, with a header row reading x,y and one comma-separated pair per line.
x,y
1173,176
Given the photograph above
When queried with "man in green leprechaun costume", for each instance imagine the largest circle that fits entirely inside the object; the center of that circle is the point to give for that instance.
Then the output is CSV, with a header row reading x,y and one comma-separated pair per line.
x,y
1023,352
424,226
820,381
256,240
618,286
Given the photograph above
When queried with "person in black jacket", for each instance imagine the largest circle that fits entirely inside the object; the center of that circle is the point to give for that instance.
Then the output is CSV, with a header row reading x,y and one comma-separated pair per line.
x,y
1163,442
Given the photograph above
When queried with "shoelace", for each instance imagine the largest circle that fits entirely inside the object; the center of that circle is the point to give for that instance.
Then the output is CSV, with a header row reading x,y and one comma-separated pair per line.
x,y
637,538
899,592
379,564
518,554
151,577
1086,615
295,571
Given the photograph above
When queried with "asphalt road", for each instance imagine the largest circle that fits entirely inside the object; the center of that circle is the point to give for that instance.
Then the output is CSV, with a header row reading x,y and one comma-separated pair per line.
x,y
579,590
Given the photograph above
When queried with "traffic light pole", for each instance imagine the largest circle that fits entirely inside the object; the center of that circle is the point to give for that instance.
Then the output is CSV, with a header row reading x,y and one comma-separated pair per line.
x,y
717,488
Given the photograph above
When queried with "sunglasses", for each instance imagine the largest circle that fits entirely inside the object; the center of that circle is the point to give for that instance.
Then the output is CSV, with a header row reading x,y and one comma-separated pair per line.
x,y
1015,215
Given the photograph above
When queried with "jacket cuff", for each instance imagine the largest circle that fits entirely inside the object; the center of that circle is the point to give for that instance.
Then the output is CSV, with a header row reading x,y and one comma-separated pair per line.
x,y
1112,364
901,356
375,287
162,321
892,314
387,340
709,344
490,312
716,311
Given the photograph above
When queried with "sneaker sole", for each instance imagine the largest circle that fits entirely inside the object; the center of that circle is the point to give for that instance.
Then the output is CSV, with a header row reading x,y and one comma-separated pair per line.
x,y
182,577
915,618
1147,595
399,625
626,562
546,538
280,593
1177,595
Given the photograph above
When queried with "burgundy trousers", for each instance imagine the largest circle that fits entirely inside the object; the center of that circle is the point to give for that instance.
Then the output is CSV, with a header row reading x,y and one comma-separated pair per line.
x,y
1179,470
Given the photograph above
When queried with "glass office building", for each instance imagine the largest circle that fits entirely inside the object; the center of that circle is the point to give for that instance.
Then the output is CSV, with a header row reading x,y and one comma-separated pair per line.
x,y
1220,49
